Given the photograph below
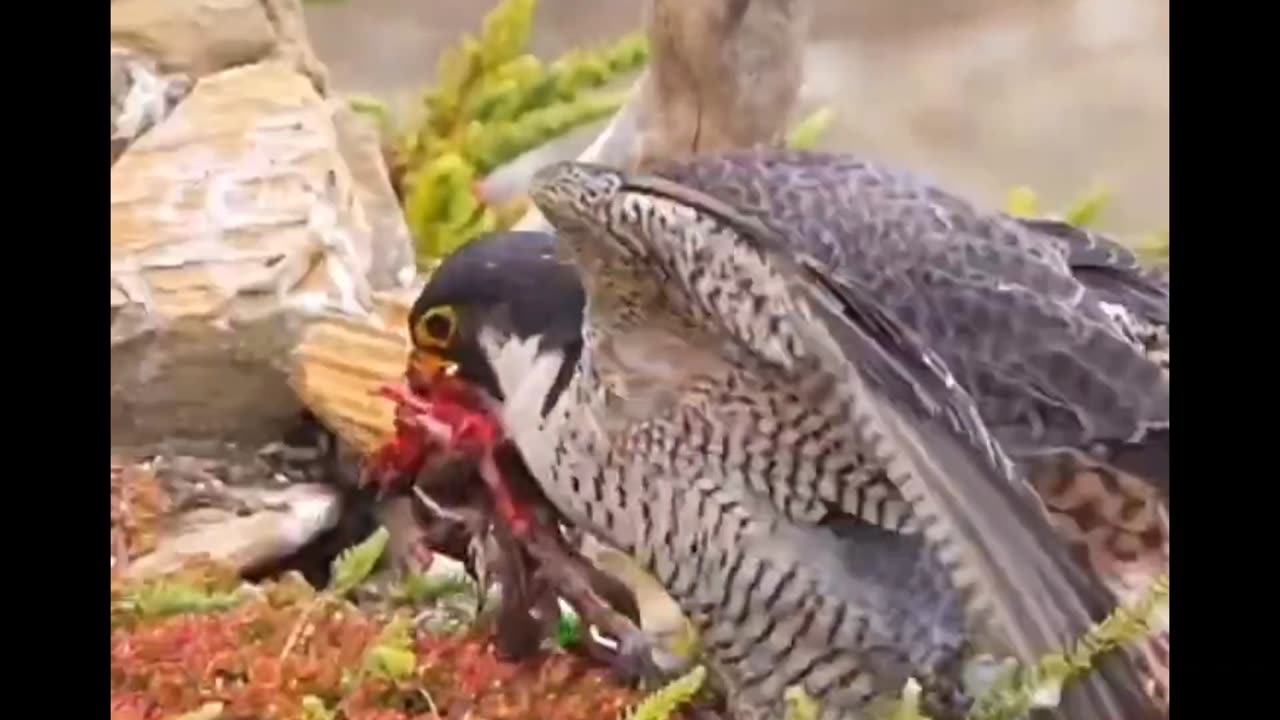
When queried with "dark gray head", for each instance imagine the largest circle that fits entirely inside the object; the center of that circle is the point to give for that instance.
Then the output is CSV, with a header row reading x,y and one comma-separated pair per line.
x,y
510,283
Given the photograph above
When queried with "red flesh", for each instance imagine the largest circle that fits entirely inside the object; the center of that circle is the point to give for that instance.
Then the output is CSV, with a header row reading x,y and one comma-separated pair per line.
x,y
444,413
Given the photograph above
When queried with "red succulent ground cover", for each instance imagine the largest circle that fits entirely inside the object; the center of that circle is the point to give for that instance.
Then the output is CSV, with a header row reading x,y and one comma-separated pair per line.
x,y
232,651
164,667
138,502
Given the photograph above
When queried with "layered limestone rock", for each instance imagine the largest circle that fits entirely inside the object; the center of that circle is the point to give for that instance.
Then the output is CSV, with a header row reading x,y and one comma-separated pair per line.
x,y
199,37
341,362
233,221
249,209
245,204
141,96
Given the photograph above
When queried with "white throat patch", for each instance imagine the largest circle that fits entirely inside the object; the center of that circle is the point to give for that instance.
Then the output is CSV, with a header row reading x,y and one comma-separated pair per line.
x,y
525,376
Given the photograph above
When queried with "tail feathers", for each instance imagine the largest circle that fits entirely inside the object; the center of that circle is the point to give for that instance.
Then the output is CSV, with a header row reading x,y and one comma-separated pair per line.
x,y
1120,701
1155,658
1117,529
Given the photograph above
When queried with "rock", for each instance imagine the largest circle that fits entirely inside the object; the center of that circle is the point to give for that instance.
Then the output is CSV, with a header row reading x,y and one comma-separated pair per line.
x,y
392,264
342,393
293,44
244,507
197,37
234,222
283,521
141,96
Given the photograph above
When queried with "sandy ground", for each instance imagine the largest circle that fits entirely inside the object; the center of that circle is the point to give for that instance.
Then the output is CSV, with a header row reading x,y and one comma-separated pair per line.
x,y
979,94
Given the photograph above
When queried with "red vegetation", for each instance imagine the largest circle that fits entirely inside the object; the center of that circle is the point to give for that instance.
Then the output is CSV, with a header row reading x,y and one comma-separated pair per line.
x,y
165,667
138,502
289,653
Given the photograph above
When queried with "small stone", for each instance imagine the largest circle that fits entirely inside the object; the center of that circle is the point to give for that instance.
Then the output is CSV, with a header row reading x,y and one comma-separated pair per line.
x,y
282,522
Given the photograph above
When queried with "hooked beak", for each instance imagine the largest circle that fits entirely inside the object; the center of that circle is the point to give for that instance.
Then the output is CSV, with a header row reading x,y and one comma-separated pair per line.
x,y
426,366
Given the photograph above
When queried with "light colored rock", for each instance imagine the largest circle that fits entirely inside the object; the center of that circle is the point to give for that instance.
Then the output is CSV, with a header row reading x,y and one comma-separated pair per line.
x,y
392,262
287,520
140,96
1055,95
342,361
233,223
293,44
198,37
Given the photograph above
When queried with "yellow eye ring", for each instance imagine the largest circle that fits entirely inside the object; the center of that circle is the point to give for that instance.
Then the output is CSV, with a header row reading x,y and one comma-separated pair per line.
x,y
436,328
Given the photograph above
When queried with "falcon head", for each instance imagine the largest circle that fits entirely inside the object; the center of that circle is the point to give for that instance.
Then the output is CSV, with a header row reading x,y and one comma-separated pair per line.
x,y
492,308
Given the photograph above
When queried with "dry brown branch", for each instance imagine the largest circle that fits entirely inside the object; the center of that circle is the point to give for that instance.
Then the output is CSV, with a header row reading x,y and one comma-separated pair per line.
x,y
723,74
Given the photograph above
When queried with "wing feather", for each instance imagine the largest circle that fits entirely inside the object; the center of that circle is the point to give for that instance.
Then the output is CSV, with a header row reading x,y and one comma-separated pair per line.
x,y
1059,332
984,516
1110,268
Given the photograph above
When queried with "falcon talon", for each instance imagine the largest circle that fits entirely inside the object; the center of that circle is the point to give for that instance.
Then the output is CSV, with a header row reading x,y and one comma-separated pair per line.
x,y
635,660
630,658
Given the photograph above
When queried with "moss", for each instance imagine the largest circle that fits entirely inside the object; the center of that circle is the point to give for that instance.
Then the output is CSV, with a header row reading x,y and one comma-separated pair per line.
x,y
283,651
662,703
1042,683
808,132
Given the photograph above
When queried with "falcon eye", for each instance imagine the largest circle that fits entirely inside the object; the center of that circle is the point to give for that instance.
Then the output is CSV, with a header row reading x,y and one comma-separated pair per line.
x,y
435,328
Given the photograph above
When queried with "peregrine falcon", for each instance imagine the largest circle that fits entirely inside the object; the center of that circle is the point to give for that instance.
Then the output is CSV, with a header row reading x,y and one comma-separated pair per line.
x,y
746,407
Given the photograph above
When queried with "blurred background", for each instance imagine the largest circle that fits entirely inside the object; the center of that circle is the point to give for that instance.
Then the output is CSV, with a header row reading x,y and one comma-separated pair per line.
x,y
982,95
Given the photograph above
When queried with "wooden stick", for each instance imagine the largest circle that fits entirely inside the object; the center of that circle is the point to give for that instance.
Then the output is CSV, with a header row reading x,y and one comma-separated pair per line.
x,y
722,75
